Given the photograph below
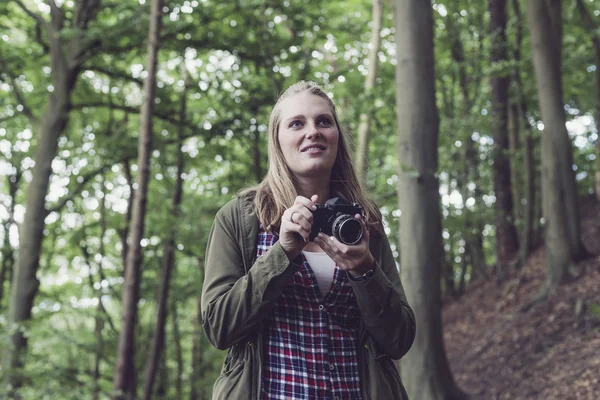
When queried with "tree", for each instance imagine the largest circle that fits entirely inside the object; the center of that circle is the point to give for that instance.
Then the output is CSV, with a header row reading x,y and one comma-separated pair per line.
x,y
524,144
593,28
124,384
362,150
67,54
562,241
427,375
506,234
158,340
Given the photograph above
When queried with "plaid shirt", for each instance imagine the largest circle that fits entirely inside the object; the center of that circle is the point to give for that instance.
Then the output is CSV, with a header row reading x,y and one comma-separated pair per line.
x,y
310,341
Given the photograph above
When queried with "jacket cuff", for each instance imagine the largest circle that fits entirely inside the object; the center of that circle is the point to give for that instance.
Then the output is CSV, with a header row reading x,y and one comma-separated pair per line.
x,y
372,296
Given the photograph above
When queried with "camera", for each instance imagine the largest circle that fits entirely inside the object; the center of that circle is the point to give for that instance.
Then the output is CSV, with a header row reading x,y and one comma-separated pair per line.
x,y
336,218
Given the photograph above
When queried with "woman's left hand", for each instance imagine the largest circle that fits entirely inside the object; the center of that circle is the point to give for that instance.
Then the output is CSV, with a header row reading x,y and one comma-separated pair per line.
x,y
356,259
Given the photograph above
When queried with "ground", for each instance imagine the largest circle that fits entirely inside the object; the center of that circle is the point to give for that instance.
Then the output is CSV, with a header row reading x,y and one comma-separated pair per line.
x,y
552,351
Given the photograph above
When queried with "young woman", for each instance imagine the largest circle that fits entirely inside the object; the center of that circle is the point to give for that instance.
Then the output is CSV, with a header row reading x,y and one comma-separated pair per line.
x,y
304,317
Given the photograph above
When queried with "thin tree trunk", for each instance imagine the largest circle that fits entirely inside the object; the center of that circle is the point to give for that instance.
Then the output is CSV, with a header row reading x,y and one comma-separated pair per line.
x,y
178,349
8,257
526,144
473,231
563,245
506,234
196,391
514,134
592,27
163,378
99,325
127,227
427,374
463,273
66,66
124,386
362,150
158,339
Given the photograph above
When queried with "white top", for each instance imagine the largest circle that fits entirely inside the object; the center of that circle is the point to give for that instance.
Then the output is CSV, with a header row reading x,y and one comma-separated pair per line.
x,y
323,267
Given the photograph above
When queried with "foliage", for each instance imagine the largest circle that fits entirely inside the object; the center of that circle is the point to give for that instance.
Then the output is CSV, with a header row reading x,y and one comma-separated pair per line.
x,y
238,56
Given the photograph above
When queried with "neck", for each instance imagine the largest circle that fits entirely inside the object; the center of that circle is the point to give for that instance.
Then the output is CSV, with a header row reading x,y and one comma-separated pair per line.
x,y
309,187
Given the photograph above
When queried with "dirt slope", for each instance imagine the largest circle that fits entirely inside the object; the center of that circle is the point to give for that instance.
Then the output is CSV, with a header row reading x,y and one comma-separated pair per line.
x,y
549,352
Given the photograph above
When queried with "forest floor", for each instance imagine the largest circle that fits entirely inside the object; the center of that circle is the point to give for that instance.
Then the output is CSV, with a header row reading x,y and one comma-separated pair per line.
x,y
551,351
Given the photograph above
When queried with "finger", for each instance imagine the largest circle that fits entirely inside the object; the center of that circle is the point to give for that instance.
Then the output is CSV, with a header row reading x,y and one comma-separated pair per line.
x,y
296,228
308,203
323,241
301,218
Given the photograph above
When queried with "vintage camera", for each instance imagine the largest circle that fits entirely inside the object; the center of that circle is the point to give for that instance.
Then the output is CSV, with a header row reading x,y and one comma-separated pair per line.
x,y
336,218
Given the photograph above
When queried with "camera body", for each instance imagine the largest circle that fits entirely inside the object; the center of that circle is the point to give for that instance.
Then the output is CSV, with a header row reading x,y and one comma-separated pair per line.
x,y
336,218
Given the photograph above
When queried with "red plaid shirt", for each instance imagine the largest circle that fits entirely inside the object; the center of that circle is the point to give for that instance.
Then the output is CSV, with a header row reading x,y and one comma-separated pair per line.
x,y
310,341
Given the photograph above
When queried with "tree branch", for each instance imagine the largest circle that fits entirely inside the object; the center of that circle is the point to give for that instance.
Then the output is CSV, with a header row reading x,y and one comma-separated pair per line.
x,y
131,110
58,15
114,74
86,178
18,95
33,15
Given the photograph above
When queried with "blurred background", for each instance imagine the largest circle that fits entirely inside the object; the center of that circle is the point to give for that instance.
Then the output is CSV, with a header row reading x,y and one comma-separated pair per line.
x,y
125,125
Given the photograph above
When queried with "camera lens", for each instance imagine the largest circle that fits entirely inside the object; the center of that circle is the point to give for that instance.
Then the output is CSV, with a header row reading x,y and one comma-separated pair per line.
x,y
347,229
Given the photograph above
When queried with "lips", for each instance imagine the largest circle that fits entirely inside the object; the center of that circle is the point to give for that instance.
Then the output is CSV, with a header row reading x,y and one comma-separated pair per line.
x,y
312,147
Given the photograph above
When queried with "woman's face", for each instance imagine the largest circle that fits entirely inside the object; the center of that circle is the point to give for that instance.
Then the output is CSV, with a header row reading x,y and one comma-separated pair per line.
x,y
308,135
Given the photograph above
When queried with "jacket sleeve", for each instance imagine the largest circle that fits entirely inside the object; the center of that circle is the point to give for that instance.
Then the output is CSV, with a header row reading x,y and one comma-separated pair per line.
x,y
384,310
233,303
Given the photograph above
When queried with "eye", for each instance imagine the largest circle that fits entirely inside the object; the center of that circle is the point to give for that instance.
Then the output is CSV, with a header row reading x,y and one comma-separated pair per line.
x,y
325,122
295,124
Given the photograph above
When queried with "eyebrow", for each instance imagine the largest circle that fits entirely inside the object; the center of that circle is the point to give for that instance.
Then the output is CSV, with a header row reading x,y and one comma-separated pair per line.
x,y
300,116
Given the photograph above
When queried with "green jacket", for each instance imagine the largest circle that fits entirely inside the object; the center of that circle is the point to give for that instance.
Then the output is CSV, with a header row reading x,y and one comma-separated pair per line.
x,y
239,291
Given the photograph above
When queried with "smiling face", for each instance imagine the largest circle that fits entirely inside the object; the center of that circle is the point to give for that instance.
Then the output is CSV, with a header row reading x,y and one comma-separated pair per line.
x,y
308,135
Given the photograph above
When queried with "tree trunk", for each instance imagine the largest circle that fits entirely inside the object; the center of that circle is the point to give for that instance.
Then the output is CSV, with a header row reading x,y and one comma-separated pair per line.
x,y
506,234
126,228
66,62
196,391
427,374
158,339
124,386
514,134
8,256
178,350
592,27
99,325
526,145
472,234
563,244
362,150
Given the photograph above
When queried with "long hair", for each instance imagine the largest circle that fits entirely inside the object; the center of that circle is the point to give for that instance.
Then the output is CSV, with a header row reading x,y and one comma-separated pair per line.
x,y
277,192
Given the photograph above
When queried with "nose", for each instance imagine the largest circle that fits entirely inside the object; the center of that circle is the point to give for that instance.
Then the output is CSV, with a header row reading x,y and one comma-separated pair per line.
x,y
312,130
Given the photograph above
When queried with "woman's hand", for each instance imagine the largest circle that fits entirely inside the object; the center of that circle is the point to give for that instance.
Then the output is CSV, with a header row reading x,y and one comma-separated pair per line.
x,y
356,259
296,224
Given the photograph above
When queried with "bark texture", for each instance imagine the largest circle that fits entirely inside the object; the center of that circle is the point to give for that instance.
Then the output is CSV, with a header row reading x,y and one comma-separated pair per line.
x,y
425,370
124,382
563,244
362,149
507,244
592,27
158,340
66,57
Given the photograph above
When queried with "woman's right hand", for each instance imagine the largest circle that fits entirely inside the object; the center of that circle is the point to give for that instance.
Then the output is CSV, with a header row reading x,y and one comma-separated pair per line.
x,y
296,224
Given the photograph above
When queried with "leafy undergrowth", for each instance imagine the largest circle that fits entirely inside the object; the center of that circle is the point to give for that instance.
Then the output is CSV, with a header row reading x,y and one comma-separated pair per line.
x,y
551,351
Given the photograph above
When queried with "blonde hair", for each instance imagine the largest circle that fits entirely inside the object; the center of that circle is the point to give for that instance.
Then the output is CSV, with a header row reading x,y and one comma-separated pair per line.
x,y
277,192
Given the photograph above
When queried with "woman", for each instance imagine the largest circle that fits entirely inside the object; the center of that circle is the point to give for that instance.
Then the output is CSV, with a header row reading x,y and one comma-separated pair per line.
x,y
302,318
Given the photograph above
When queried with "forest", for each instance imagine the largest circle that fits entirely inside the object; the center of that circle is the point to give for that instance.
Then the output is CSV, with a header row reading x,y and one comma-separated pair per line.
x,y
126,124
